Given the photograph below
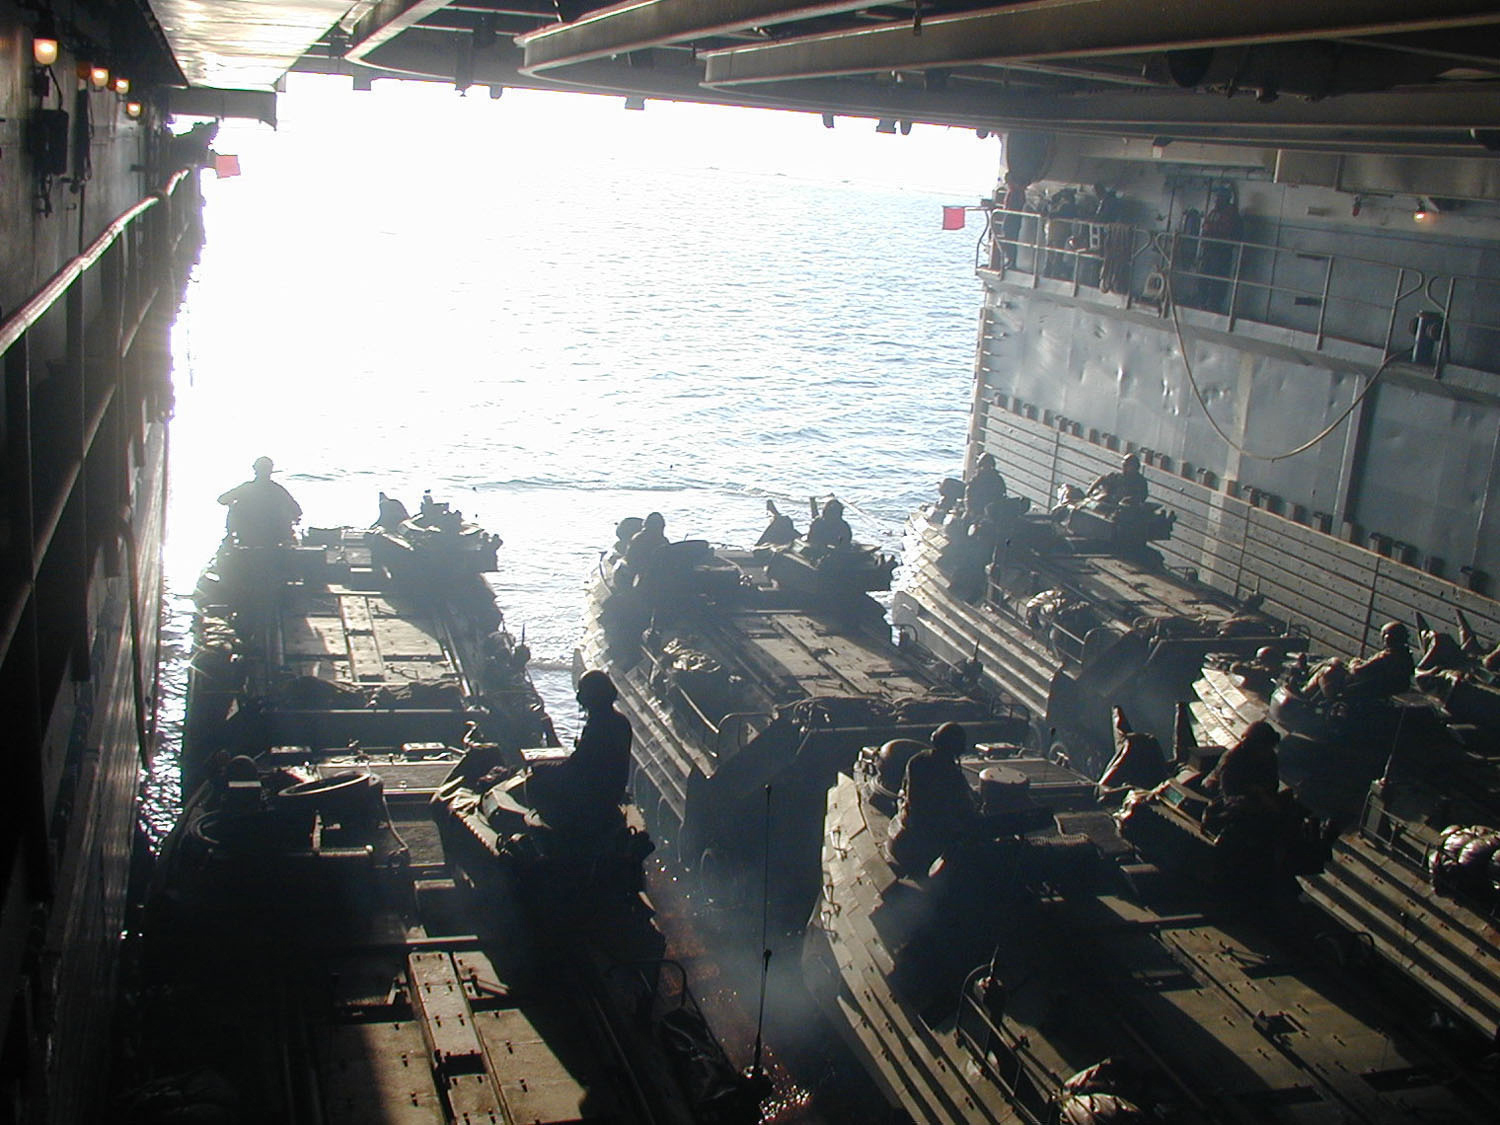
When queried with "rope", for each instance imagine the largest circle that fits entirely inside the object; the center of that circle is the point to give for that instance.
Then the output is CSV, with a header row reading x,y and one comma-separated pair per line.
x,y
1229,441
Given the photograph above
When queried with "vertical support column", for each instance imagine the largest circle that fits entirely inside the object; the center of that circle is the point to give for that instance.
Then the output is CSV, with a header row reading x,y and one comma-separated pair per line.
x,y
976,409
69,549
25,824
1050,498
107,463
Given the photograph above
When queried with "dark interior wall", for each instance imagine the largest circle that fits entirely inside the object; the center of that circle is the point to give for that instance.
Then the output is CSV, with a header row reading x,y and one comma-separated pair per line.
x,y
33,246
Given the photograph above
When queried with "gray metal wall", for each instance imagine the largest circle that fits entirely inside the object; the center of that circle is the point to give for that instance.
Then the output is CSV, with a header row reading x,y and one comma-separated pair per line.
x,y
1415,464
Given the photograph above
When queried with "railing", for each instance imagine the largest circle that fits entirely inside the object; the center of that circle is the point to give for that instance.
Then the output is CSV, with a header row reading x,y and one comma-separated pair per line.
x,y
1436,318
49,442
55,289
990,1044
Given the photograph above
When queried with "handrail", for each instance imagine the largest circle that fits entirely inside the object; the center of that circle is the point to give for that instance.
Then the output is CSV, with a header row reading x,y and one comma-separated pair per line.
x,y
737,722
12,332
1304,289
969,1003
33,310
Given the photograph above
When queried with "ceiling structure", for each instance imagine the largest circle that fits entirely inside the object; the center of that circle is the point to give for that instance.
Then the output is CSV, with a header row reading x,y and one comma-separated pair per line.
x,y
1397,77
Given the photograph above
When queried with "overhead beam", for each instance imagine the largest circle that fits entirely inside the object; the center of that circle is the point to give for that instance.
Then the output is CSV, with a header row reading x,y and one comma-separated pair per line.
x,y
205,101
1056,29
639,24
384,20
1183,118
1459,108
1350,116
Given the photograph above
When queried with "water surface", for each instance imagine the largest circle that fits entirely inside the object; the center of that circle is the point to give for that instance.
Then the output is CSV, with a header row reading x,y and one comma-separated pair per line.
x,y
555,314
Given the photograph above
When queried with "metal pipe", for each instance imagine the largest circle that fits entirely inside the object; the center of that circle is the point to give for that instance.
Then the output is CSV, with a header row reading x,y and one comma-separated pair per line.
x,y
1323,304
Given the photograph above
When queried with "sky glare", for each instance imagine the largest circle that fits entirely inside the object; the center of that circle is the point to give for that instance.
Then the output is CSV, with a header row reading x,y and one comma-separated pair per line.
x,y
410,123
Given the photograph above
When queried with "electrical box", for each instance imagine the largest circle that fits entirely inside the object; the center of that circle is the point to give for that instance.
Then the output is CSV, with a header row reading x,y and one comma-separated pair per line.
x,y
47,141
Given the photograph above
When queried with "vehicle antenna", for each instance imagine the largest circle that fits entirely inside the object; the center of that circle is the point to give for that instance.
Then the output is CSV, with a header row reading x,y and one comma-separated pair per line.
x,y
1385,773
765,949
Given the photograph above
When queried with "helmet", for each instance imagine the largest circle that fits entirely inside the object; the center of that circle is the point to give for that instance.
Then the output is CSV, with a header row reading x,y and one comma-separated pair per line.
x,y
263,466
890,763
596,689
833,507
655,521
1130,461
1260,735
1395,633
951,738
1266,655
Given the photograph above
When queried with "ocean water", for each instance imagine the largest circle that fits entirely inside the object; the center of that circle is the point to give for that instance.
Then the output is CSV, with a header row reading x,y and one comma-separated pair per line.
x,y
555,314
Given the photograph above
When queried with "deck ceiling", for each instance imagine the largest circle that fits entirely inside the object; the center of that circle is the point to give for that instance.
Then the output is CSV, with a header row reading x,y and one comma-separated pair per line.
x,y
243,44
1382,76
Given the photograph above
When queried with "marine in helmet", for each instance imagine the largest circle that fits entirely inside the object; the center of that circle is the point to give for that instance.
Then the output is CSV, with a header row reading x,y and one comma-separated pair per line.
x,y
261,512
392,515
936,805
647,544
601,756
590,785
1249,768
1386,673
780,532
625,531
829,529
1260,671
984,487
1128,486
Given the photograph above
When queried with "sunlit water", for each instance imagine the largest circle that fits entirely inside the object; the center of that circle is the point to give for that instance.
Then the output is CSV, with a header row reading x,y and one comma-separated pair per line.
x,y
678,311
634,322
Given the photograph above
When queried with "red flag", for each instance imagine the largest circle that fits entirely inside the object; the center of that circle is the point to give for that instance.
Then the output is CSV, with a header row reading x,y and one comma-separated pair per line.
x,y
226,165
954,217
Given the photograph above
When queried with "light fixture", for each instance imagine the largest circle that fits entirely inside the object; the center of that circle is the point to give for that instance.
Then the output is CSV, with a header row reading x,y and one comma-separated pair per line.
x,y
635,101
885,125
99,77
132,109
122,86
828,121
43,54
905,127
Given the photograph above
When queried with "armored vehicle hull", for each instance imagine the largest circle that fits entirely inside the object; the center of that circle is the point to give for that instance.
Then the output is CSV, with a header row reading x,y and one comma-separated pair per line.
x,y
1052,969
1071,625
355,635
748,697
